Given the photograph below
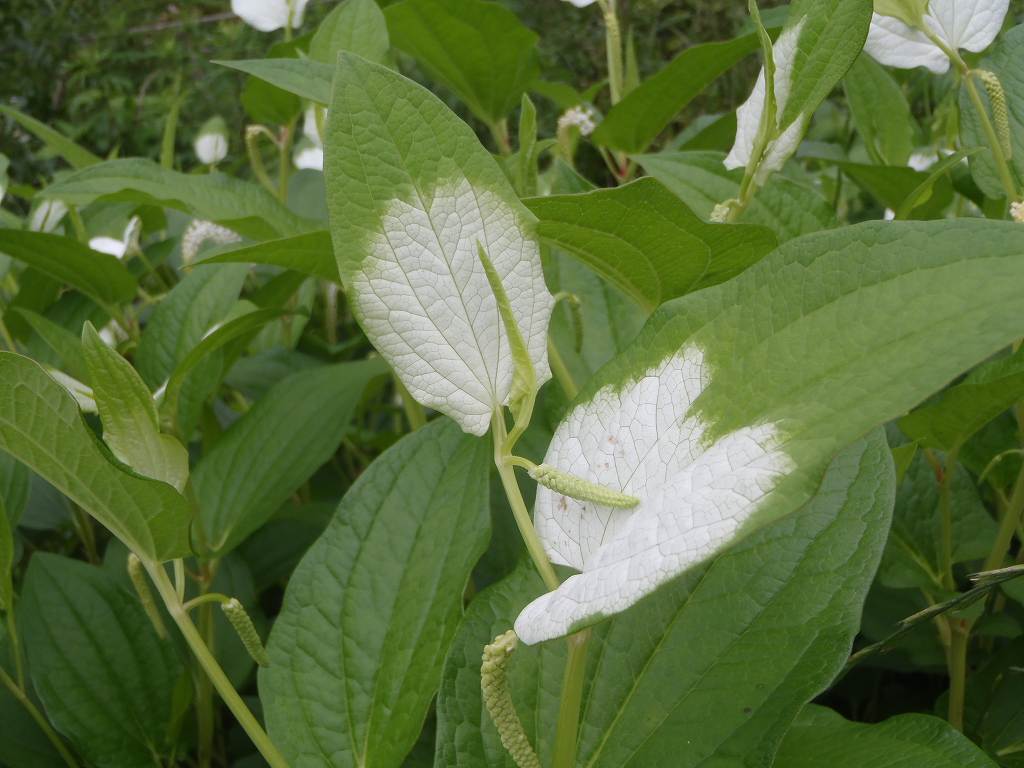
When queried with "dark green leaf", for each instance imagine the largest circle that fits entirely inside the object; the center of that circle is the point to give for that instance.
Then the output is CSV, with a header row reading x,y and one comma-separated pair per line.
x,y
311,254
306,78
880,111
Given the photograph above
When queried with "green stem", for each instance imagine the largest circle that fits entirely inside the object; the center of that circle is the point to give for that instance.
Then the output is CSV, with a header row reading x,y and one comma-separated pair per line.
x,y
499,131
413,410
567,730
252,148
946,512
561,371
284,167
16,656
613,47
213,670
960,632
515,500
1007,526
44,725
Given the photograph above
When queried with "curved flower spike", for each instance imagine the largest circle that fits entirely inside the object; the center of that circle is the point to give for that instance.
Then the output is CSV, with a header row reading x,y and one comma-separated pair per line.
x,y
270,15
644,438
970,25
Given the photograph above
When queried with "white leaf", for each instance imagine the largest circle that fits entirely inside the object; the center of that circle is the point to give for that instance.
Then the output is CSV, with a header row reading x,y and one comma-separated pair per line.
x,y
581,3
47,215
748,116
970,25
115,247
645,439
424,300
269,15
211,148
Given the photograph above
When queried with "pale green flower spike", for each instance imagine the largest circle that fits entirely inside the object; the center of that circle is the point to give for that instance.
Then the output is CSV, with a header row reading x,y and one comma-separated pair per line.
x,y
245,630
1000,112
139,580
498,700
580,489
524,381
575,311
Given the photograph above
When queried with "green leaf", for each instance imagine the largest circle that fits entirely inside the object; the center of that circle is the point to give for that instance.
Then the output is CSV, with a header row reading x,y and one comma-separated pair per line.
x,y
103,675
822,737
828,337
13,487
896,187
275,447
478,49
411,193
913,556
880,112
239,205
98,275
959,412
683,679
41,426
64,344
306,78
922,193
1007,62
76,155
633,123
701,181
6,559
354,25
372,608
646,241
311,254
131,427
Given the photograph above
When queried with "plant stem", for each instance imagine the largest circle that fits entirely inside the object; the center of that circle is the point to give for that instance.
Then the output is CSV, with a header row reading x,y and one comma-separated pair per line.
x,y
44,725
413,410
12,635
946,512
1007,526
284,167
209,664
960,632
499,131
561,371
613,47
515,500
567,730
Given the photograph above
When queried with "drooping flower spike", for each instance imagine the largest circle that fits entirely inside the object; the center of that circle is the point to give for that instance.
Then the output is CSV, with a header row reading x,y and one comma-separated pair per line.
x,y
969,25
270,15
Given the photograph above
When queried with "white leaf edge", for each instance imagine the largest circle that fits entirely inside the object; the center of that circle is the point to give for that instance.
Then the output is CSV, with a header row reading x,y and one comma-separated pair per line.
x,y
644,439
970,25
423,299
748,116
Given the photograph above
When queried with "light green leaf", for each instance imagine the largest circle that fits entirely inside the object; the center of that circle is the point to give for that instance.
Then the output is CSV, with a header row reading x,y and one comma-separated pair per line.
x,y
131,428
306,78
758,382
311,254
683,679
64,344
959,412
913,556
880,112
822,737
646,241
478,49
41,426
98,275
411,192
1007,62
275,447
354,25
633,123
239,205
701,181
103,675
372,608
76,155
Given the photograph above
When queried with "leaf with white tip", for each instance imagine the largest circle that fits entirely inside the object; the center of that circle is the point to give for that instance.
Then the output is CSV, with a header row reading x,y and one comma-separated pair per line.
x,y
724,413
411,192
820,41
970,25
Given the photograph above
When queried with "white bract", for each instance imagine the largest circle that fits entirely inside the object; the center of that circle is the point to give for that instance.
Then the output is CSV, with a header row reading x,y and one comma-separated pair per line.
x,y
969,25
424,300
270,15
113,245
645,439
47,215
309,153
211,144
748,116
581,3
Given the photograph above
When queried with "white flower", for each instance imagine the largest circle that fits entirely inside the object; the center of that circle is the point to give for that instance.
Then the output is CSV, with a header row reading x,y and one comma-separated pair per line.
x,y
970,25
1017,211
47,215
269,15
116,247
922,161
199,232
581,3
582,117
748,116
309,152
645,439
211,144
